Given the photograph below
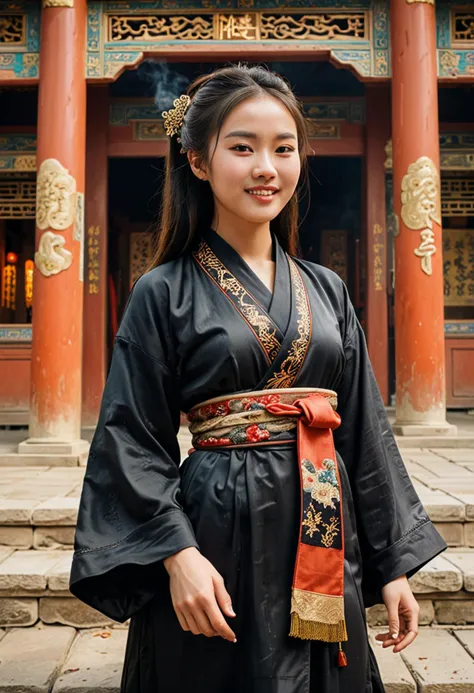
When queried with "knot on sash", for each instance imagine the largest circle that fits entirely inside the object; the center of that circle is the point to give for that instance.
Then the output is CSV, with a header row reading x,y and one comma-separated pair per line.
x,y
314,411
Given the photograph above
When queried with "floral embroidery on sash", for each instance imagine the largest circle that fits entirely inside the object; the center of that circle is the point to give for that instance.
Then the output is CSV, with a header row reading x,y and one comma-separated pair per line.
x,y
240,421
291,366
255,316
322,504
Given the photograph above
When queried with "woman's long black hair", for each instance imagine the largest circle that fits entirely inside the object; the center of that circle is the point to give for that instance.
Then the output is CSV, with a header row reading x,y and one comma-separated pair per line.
x,y
187,202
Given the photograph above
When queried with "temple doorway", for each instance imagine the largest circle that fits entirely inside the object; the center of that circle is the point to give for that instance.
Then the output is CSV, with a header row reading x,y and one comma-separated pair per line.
x,y
330,222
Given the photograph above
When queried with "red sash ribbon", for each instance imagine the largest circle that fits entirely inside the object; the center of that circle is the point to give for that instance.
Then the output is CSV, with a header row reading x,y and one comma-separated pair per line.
x,y
317,604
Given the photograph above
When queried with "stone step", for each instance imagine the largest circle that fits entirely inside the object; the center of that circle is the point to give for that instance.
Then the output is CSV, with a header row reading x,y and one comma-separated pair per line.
x,y
38,505
34,586
10,457
51,659
444,589
438,661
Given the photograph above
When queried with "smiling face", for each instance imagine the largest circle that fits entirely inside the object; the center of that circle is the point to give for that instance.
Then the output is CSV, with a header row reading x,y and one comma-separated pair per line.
x,y
255,167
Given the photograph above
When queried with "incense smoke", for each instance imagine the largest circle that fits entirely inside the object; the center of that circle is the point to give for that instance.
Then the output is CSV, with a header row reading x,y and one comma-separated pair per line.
x,y
166,84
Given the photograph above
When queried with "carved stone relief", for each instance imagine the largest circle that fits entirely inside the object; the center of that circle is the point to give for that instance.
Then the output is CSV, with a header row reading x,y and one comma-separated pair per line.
x,y
421,205
55,196
51,256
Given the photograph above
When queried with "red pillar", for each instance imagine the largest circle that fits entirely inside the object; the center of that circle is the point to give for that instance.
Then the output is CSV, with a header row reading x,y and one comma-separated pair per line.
x,y
94,366
377,134
419,308
55,406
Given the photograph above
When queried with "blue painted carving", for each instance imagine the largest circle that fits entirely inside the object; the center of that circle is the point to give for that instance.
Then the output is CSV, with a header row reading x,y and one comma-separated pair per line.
x,y
23,62
122,113
459,328
10,142
368,59
16,334
456,140
443,26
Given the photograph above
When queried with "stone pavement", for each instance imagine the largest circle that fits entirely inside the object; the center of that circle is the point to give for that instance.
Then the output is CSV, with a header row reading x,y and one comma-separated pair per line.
x,y
51,642
54,659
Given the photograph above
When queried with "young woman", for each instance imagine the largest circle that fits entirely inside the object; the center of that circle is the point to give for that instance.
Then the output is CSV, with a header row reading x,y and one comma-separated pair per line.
x,y
246,570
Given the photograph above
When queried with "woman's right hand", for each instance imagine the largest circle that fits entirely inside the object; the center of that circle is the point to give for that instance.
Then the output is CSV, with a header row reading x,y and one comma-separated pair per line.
x,y
199,595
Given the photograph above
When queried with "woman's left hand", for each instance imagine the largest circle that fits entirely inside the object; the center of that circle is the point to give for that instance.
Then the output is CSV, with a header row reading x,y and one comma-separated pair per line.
x,y
403,612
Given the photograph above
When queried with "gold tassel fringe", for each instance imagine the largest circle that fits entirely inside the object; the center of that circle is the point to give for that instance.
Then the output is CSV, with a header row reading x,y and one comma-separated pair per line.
x,y
313,630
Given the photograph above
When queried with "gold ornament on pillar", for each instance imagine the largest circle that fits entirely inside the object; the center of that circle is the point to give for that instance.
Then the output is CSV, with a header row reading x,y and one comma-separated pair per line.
x,y
421,206
51,256
29,267
55,196
58,3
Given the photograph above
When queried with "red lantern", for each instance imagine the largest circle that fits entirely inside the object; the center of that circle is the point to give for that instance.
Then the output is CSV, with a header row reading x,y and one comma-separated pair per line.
x,y
12,258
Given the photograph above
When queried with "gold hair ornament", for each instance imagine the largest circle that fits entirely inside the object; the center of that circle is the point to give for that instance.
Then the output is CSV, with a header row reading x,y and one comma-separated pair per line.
x,y
174,118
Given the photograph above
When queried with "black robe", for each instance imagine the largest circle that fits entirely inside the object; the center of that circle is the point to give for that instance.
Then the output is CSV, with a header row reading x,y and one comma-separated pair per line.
x,y
184,339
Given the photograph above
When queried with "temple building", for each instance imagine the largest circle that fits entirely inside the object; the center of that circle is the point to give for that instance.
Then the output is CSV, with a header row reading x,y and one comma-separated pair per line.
x,y
388,89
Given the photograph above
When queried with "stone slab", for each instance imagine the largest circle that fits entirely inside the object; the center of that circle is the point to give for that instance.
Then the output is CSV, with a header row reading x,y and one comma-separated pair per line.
x,y
56,511
377,615
76,492
50,538
439,663
18,612
467,499
33,446
14,459
466,638
30,659
465,562
469,534
16,512
424,431
395,675
451,532
418,456
18,537
440,506
58,576
454,612
94,663
439,575
452,485
19,473
435,442
70,612
26,571
447,470
5,552
456,455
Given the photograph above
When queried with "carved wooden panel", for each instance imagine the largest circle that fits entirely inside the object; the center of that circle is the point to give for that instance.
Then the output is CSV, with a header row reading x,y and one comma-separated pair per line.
x,y
141,252
458,263
334,252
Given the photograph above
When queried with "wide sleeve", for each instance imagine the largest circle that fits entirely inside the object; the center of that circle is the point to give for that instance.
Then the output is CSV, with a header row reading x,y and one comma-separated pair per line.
x,y
130,516
395,534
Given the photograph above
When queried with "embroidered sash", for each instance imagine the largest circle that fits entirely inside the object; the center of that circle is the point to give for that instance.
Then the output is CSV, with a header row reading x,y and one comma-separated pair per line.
x,y
262,418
